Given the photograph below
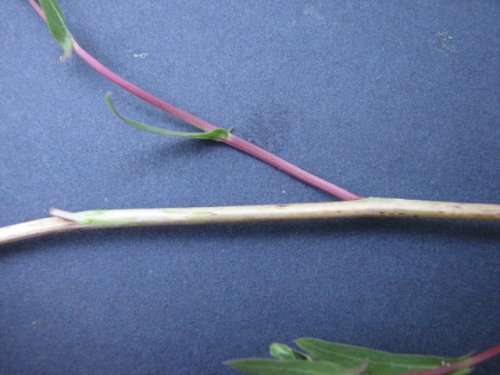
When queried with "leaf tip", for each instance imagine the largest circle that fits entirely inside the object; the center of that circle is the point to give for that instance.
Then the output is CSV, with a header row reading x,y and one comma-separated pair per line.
x,y
68,52
109,101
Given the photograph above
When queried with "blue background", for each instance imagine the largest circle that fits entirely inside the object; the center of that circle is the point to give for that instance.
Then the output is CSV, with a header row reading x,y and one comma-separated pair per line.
x,y
385,98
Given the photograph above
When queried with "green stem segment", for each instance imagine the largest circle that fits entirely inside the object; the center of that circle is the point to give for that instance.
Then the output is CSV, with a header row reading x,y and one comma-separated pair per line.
x,y
63,221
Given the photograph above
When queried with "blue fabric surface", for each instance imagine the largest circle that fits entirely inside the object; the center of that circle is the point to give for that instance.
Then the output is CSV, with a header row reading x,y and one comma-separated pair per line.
x,y
385,98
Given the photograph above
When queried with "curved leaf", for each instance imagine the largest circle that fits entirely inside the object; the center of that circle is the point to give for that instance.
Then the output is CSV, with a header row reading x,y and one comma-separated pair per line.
x,y
57,26
216,134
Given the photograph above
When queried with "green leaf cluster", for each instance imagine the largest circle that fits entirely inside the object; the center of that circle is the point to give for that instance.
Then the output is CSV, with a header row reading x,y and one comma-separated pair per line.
x,y
321,357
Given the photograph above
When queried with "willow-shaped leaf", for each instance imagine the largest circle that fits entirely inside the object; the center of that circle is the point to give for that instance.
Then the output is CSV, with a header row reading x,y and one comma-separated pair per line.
x,y
289,367
379,362
216,134
282,351
57,26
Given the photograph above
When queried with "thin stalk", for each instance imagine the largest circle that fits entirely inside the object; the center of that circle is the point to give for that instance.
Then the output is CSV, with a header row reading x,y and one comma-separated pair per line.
x,y
232,140
63,221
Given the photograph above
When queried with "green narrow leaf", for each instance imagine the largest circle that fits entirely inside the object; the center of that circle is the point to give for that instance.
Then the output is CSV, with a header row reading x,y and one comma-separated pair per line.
x,y
57,26
216,134
379,362
289,367
282,351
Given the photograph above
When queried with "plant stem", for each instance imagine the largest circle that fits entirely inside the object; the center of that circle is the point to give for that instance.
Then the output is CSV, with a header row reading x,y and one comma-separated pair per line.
x,y
63,221
232,140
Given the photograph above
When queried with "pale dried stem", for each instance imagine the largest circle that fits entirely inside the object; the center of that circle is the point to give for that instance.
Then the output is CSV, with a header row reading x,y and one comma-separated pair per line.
x,y
63,221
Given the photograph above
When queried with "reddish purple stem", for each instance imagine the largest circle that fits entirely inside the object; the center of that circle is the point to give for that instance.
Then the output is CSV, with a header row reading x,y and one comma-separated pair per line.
x,y
232,140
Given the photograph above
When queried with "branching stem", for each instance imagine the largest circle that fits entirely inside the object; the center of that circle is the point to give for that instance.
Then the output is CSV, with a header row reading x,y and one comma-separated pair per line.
x,y
232,140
